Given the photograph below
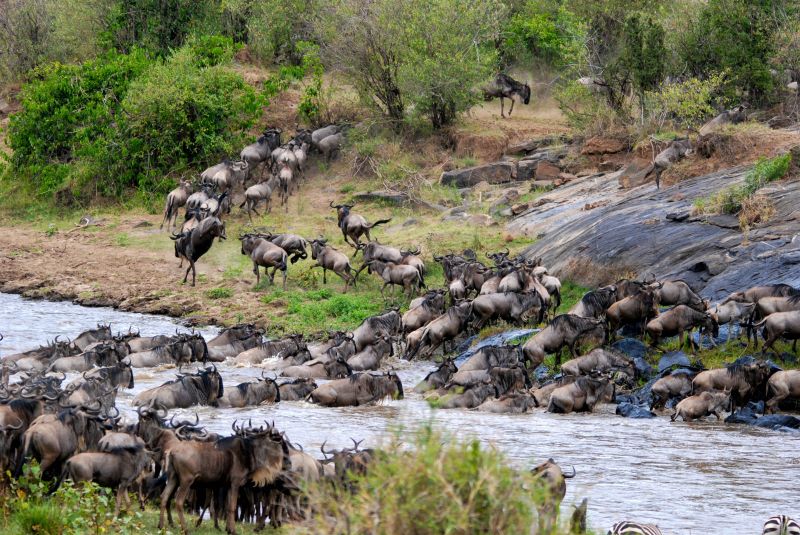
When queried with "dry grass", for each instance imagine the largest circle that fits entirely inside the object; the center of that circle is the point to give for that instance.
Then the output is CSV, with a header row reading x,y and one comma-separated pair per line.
x,y
755,209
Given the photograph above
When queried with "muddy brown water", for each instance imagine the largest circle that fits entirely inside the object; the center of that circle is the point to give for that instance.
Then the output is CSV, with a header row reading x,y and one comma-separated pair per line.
x,y
694,478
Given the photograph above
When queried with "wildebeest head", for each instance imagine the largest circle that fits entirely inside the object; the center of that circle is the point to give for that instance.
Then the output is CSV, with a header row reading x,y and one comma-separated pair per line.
x,y
212,383
266,453
342,210
525,93
338,369
317,246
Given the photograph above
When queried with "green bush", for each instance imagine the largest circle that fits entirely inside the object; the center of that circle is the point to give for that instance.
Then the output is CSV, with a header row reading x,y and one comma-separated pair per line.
x,y
219,293
688,103
125,121
544,31
433,484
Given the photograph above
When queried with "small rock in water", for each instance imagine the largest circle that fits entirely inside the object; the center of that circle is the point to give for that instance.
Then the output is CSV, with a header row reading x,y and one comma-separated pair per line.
x,y
629,410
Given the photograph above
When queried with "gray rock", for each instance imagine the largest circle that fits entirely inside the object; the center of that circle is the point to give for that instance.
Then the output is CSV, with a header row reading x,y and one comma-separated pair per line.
x,y
673,358
526,169
629,410
493,173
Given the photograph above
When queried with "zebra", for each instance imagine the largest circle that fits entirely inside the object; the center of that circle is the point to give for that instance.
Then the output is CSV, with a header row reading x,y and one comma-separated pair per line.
x,y
781,525
628,527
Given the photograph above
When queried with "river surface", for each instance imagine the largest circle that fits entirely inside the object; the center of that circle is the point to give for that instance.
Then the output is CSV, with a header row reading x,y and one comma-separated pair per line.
x,y
696,478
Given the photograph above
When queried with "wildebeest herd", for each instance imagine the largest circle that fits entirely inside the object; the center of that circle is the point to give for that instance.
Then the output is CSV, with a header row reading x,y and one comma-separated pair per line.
x,y
75,431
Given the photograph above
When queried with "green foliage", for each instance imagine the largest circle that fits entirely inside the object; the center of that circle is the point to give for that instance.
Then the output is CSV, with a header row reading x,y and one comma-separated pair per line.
x,y
178,116
585,110
545,31
123,121
71,510
733,36
476,491
427,54
643,54
311,106
219,293
275,28
688,103
731,199
211,50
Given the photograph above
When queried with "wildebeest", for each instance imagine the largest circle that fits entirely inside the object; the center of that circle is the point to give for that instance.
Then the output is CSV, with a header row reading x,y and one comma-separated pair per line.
x,y
329,258
505,87
92,336
742,380
429,308
201,388
53,438
679,320
264,254
581,395
731,116
677,292
470,397
782,385
701,405
370,357
595,303
333,369
16,416
732,313
551,484
446,327
512,307
294,245
353,226
105,353
512,403
226,177
286,347
232,341
116,469
330,145
256,194
297,389
565,330
358,389
397,275
260,151
438,377
195,243
632,310
259,392
376,327
256,455
601,360
175,200
779,325
752,295
183,349
678,384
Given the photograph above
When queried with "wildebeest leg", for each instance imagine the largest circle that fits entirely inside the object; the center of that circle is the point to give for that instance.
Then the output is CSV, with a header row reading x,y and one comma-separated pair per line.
x,y
284,276
324,276
512,106
502,114
385,284
180,498
258,274
230,524
172,483
121,491
272,276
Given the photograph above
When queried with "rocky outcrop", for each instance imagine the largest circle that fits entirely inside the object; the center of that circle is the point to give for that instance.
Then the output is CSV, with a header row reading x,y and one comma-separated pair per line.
x,y
603,145
493,173
644,230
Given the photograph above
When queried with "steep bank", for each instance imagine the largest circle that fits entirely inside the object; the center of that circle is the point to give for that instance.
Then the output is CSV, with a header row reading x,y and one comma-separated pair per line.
x,y
593,232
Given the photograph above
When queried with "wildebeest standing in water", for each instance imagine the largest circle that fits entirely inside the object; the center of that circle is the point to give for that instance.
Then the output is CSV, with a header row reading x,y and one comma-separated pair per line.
x,y
202,388
503,87
195,243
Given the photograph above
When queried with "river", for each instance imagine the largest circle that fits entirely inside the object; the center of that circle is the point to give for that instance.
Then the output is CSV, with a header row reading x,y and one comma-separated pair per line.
x,y
702,477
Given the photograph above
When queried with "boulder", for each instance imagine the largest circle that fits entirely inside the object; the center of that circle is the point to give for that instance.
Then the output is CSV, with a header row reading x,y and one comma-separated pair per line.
x,y
547,171
526,169
731,116
493,173
603,145
636,173
629,410
673,358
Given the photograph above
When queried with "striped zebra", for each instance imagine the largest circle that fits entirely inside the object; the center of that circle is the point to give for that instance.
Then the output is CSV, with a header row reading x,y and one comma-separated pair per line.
x,y
781,525
628,527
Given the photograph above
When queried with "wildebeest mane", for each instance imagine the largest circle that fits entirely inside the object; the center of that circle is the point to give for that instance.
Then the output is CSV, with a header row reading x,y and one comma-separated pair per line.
x,y
597,301
389,321
24,408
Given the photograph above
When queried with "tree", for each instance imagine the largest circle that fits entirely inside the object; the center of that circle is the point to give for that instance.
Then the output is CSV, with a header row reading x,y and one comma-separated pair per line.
x,y
643,55
428,54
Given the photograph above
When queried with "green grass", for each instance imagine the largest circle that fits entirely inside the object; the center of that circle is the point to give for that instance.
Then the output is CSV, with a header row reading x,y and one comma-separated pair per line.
x,y
571,293
150,525
219,293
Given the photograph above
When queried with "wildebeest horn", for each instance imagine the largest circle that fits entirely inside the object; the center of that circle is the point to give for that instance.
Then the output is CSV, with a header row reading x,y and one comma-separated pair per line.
x,y
11,427
326,453
356,443
570,475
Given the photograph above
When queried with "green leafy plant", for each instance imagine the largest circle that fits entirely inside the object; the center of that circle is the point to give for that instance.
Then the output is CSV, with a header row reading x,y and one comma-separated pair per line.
x,y
219,293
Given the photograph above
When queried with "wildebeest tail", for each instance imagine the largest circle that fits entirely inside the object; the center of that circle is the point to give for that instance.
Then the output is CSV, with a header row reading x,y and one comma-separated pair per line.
x,y
167,210
378,222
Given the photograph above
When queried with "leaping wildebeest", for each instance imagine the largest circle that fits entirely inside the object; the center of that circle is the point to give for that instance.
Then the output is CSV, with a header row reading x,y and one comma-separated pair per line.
x,y
354,226
195,243
503,87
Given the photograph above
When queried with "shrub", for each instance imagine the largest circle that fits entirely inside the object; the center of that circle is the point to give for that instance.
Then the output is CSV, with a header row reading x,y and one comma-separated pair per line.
x,y
688,103
219,293
435,484
585,110
211,50
544,31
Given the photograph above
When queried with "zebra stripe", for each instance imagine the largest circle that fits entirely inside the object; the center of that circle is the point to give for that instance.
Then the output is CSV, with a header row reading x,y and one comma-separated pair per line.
x,y
781,525
628,527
